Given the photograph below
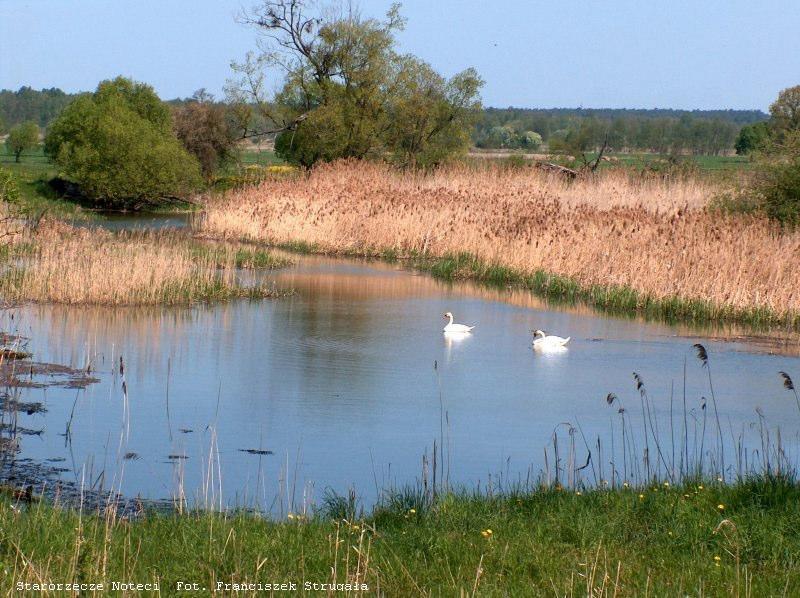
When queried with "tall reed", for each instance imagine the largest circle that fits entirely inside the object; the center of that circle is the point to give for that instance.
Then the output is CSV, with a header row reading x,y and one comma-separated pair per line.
x,y
609,235
73,266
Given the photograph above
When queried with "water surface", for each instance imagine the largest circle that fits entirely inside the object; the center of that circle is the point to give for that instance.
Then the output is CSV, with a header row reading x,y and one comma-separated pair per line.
x,y
349,381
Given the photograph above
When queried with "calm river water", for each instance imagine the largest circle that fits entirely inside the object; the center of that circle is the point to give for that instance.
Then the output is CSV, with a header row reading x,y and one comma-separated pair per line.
x,y
345,382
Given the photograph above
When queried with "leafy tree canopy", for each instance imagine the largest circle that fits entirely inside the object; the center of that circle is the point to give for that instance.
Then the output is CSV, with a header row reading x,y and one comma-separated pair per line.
x,y
752,138
778,179
347,92
21,138
785,111
118,146
206,131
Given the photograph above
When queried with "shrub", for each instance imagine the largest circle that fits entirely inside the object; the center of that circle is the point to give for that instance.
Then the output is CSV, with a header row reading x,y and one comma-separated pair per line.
x,y
752,138
9,192
778,180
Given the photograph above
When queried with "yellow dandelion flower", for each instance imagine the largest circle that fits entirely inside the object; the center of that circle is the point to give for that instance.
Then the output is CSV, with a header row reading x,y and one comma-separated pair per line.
x,y
578,493
412,511
641,497
721,507
666,484
700,487
487,533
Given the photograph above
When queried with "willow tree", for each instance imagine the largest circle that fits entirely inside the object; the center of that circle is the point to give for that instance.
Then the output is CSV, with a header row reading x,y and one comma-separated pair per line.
x,y
346,92
118,146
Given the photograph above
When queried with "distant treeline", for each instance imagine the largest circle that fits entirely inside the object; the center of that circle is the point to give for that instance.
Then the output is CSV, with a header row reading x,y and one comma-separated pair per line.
x,y
27,104
657,130
563,129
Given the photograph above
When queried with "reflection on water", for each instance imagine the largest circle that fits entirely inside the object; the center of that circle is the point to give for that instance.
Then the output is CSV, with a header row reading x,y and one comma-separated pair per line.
x,y
345,382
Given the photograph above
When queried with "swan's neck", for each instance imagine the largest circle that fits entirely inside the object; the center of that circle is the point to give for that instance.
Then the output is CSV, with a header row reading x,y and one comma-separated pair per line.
x,y
450,317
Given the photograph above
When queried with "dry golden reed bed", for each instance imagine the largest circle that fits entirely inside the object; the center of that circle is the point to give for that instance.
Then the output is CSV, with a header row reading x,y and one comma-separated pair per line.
x,y
653,236
58,263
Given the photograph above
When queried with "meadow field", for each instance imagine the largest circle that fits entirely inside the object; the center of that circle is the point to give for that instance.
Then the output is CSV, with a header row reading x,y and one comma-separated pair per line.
x,y
620,241
696,538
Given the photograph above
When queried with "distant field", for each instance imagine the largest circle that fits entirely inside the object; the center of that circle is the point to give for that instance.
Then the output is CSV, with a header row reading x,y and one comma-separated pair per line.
x,y
259,157
709,164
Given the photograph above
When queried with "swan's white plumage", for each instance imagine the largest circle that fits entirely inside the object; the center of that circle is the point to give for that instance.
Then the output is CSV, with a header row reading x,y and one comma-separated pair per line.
x,y
455,328
544,341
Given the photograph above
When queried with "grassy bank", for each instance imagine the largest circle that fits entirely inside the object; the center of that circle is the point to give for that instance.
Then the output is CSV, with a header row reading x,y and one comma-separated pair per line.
x,y
694,539
617,300
622,244
32,174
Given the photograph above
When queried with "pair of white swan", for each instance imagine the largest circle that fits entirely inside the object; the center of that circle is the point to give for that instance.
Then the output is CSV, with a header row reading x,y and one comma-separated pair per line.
x,y
541,340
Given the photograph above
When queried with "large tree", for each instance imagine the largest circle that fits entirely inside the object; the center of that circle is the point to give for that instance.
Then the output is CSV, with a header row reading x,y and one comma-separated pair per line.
x,y
346,91
118,146
206,131
23,137
785,111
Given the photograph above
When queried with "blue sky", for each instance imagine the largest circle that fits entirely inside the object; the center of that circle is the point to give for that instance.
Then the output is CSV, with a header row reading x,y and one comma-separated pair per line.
x,y
591,53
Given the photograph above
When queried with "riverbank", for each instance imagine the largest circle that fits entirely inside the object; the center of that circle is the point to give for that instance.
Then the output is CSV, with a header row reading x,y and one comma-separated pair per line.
x,y
627,245
696,538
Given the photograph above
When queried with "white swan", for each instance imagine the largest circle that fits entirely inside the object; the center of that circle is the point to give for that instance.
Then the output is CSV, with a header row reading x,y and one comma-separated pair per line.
x,y
455,328
544,341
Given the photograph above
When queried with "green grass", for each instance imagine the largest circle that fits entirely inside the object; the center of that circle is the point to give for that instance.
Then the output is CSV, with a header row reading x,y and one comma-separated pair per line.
x,y
259,157
704,163
615,299
32,173
659,541
246,258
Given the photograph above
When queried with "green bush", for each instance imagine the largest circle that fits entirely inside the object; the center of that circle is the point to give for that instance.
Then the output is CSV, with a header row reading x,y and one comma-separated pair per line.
x,y
736,201
778,181
9,192
118,146
775,186
752,138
